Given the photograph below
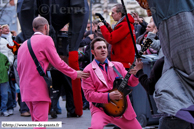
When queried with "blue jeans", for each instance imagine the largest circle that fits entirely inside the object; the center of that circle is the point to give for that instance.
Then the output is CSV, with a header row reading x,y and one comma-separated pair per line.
x,y
11,96
166,122
58,108
4,95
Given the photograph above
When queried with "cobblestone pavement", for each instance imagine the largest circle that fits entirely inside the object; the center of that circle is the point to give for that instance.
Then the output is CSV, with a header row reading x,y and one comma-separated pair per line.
x,y
82,122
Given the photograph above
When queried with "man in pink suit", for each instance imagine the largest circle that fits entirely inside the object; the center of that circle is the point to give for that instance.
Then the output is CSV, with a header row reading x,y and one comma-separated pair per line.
x,y
33,87
101,80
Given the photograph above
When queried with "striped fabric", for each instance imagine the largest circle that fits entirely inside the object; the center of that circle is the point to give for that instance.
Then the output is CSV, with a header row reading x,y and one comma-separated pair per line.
x,y
175,89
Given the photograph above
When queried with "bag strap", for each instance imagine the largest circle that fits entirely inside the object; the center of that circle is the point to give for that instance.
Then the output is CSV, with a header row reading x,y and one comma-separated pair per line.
x,y
38,66
117,72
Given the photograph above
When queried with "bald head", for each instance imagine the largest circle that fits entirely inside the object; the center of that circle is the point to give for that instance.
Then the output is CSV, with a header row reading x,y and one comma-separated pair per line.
x,y
38,23
150,27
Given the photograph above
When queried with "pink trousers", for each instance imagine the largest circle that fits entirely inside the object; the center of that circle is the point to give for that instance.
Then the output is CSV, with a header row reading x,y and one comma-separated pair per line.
x,y
100,119
38,110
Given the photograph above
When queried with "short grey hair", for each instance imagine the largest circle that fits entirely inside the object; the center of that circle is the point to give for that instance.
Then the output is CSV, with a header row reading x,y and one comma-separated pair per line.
x,y
119,8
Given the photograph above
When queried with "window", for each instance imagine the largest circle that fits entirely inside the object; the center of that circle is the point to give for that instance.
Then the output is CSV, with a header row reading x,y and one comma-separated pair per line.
x,y
3,2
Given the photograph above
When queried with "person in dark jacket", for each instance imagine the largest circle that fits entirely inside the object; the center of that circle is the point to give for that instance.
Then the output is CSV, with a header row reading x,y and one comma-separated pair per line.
x,y
88,37
149,82
139,25
149,85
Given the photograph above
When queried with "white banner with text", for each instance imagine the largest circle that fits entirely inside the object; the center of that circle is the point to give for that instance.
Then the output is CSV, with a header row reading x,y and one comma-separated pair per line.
x,y
30,124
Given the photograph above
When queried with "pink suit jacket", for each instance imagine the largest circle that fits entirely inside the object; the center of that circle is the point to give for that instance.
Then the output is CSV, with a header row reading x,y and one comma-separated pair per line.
x,y
32,86
96,88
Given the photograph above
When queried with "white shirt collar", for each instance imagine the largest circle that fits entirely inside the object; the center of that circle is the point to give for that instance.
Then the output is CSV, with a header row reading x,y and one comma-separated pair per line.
x,y
38,33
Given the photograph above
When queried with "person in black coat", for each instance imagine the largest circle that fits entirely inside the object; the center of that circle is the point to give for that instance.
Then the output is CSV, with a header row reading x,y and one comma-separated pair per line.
x,y
84,59
139,25
149,82
149,85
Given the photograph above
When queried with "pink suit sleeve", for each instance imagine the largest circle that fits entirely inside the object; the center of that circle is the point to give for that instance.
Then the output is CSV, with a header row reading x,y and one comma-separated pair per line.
x,y
56,61
91,93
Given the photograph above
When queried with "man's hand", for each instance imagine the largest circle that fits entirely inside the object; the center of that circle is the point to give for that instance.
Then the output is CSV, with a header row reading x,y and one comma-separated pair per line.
x,y
132,71
115,95
81,74
108,25
136,16
100,24
155,30
138,64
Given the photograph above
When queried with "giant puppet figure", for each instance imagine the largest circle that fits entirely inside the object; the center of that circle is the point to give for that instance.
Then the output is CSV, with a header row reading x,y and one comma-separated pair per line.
x,y
174,92
59,13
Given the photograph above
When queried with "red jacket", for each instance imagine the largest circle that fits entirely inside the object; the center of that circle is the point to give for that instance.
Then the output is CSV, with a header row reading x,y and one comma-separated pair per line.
x,y
122,49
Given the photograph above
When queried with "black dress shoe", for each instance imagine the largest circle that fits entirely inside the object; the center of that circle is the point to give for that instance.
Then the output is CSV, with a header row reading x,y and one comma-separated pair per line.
x,y
71,114
53,113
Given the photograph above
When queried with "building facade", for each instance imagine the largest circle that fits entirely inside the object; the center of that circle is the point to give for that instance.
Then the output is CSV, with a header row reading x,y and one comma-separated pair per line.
x,y
8,14
104,8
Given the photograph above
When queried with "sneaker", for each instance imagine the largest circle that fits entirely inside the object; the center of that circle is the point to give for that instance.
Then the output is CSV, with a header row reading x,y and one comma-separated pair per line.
x,y
5,113
10,111
25,114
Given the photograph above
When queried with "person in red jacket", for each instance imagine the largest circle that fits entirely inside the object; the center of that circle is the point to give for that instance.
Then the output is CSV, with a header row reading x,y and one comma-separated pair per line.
x,y
119,37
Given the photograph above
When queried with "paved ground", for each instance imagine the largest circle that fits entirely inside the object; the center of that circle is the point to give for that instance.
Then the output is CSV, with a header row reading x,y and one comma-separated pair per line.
x,y
82,122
